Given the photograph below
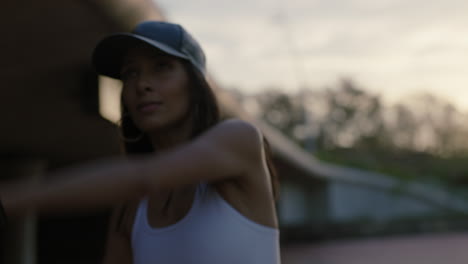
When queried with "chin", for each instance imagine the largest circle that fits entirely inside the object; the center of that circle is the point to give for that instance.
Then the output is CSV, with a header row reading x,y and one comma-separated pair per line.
x,y
155,123
149,126
152,126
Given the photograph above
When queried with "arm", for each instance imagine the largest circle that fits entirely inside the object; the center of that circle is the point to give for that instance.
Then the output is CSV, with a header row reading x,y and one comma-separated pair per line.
x,y
228,150
94,185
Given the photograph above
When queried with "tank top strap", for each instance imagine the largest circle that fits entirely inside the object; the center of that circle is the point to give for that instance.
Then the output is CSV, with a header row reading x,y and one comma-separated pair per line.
x,y
202,189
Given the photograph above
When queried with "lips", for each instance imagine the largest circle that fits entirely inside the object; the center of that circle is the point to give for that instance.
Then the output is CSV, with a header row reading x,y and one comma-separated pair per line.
x,y
148,107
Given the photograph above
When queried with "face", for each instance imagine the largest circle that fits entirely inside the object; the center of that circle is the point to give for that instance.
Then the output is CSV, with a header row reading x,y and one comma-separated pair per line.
x,y
155,89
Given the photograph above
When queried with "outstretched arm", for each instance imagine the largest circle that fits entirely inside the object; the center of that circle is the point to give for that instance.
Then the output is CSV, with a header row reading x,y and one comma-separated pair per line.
x,y
93,185
230,149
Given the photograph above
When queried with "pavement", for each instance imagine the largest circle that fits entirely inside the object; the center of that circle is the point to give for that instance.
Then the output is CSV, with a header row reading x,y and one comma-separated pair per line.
x,y
446,248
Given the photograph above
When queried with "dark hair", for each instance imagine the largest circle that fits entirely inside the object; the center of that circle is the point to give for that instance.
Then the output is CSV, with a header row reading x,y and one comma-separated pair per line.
x,y
204,112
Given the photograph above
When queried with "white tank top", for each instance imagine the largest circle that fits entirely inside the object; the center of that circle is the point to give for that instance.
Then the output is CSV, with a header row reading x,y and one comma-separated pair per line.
x,y
211,232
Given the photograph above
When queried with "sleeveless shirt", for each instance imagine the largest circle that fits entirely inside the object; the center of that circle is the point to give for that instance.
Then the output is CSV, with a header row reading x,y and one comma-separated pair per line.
x,y
211,232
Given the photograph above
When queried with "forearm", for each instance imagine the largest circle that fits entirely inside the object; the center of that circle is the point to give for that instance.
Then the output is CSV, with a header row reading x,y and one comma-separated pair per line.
x,y
92,186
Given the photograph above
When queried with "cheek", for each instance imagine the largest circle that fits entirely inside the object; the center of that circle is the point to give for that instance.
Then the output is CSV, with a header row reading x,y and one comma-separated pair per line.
x,y
180,95
184,96
125,96
180,104
129,99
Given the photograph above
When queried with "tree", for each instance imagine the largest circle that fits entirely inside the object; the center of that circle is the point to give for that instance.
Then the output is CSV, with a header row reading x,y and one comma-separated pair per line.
x,y
281,110
353,117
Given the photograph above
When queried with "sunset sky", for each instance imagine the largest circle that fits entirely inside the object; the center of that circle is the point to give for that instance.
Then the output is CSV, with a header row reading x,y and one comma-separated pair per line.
x,y
391,47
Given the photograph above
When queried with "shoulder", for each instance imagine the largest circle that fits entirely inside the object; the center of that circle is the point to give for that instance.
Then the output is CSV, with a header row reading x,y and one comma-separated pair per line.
x,y
227,150
241,136
236,130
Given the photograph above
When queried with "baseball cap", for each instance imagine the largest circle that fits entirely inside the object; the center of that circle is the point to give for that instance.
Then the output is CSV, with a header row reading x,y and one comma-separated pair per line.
x,y
170,38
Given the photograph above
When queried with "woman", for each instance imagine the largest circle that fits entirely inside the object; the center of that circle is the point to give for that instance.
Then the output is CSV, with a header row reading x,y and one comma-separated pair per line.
x,y
201,190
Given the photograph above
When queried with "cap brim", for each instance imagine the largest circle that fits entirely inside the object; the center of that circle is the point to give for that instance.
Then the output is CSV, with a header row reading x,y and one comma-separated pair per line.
x,y
109,53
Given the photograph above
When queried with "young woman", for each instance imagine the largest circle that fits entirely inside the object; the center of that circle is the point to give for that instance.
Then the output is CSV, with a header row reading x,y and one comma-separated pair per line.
x,y
200,189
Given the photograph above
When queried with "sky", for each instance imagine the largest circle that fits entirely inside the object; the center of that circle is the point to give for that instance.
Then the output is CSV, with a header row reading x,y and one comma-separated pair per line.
x,y
393,48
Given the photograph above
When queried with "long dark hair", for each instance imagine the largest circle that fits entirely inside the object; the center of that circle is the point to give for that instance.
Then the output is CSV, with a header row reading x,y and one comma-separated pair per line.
x,y
205,113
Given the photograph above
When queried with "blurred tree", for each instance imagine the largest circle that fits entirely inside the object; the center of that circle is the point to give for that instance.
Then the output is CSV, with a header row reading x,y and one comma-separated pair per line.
x,y
281,110
402,127
437,126
353,117
348,116
423,136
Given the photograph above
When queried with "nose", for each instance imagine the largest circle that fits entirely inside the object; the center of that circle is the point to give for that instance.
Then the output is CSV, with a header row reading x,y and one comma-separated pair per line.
x,y
144,84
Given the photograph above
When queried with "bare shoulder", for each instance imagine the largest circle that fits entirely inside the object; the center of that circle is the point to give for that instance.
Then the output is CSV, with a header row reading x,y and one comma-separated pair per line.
x,y
234,125
238,132
230,149
242,137
251,193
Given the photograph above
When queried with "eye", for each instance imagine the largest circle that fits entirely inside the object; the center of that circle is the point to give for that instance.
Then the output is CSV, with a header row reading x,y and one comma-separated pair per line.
x,y
162,65
128,74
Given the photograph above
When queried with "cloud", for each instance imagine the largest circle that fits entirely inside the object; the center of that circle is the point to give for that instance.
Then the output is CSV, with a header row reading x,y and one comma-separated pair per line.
x,y
391,46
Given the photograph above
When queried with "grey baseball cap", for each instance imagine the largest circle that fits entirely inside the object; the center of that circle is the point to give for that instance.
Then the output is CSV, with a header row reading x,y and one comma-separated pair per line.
x,y
170,38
